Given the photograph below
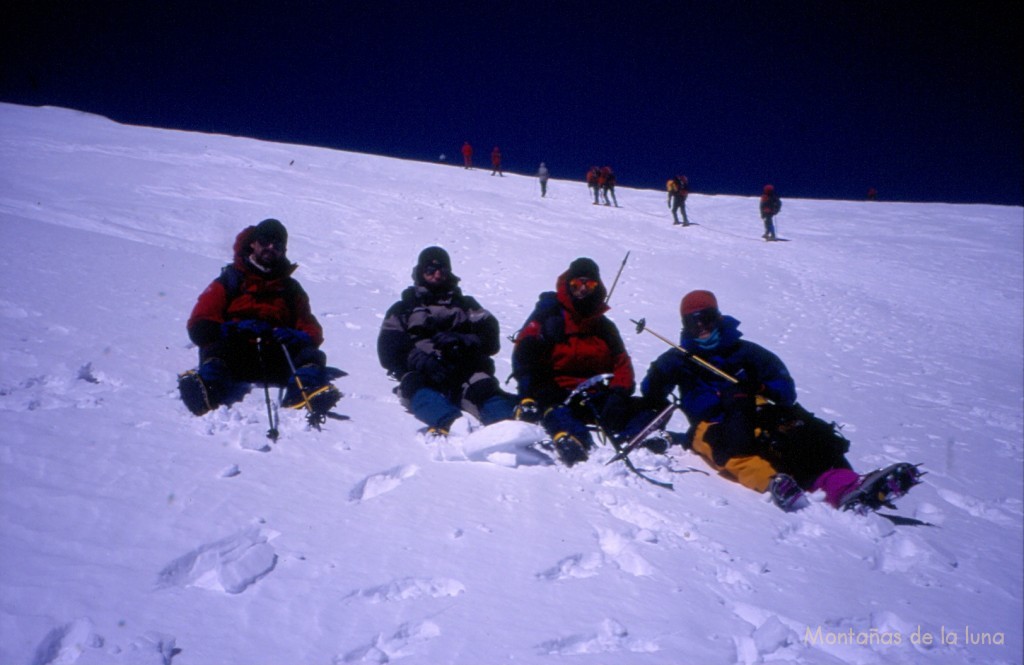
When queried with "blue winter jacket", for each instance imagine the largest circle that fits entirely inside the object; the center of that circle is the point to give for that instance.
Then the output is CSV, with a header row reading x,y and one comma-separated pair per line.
x,y
700,390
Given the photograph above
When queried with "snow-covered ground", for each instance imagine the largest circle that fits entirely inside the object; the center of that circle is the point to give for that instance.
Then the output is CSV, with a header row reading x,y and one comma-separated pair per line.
x,y
132,532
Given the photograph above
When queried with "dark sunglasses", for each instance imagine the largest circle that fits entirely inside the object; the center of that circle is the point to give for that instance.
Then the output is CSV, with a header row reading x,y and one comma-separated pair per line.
x,y
705,318
267,241
432,268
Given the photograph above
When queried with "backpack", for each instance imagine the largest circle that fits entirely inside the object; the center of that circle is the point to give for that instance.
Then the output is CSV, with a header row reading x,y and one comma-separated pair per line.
x,y
544,311
553,327
799,443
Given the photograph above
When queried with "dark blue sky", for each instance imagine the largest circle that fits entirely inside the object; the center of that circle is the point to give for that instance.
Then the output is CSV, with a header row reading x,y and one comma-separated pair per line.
x,y
921,100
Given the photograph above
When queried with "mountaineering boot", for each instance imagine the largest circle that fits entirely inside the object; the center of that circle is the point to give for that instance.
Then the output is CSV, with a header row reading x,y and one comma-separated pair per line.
x,y
435,435
206,388
312,380
321,400
527,411
879,488
570,449
786,494
193,393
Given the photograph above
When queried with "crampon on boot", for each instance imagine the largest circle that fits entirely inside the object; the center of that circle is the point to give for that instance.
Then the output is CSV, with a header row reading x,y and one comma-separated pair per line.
x,y
320,400
527,411
193,393
786,493
880,487
435,435
570,449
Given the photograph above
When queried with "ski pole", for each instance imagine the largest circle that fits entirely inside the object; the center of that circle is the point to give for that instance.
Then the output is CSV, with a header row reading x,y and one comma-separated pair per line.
x,y
616,281
272,433
641,326
313,418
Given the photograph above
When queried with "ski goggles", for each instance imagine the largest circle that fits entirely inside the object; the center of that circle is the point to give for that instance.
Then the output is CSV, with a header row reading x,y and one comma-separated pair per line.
x,y
579,282
705,318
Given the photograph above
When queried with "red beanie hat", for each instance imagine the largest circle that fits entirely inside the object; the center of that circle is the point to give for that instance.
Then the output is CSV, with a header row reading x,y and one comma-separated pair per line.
x,y
695,301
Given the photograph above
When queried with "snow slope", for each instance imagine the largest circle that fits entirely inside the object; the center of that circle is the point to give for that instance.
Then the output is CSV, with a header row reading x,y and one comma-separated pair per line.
x,y
133,532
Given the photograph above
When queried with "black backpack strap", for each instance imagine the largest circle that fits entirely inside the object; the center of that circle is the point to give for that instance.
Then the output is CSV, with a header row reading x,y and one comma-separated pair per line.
x,y
231,278
544,313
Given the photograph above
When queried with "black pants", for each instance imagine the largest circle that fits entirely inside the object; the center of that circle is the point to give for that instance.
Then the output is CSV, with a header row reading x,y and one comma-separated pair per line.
x,y
242,357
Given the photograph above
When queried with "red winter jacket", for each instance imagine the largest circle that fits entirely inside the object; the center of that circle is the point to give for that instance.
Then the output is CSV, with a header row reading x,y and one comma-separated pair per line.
x,y
561,347
770,204
277,299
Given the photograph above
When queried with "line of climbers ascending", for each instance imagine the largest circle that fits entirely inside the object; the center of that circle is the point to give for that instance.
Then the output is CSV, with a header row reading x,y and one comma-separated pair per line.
x,y
601,182
253,324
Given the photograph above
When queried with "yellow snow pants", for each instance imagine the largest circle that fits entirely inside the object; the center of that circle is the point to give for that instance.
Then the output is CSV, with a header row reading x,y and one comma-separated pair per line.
x,y
750,471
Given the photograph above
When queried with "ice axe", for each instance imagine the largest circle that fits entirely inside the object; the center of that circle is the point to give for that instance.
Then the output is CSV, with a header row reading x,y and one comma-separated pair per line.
x,y
641,326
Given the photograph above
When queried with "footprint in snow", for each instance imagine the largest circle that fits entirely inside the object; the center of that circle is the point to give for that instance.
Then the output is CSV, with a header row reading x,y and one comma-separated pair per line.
x,y
382,483
577,566
64,644
616,548
231,565
652,526
905,553
610,636
410,588
399,645
80,389
619,549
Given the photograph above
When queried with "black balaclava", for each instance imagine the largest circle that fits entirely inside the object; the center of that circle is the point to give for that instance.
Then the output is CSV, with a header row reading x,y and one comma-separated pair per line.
x,y
584,267
437,256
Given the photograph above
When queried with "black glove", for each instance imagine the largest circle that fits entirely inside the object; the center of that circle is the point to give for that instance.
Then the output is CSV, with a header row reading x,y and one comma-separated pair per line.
x,y
452,343
446,341
292,337
430,366
245,328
